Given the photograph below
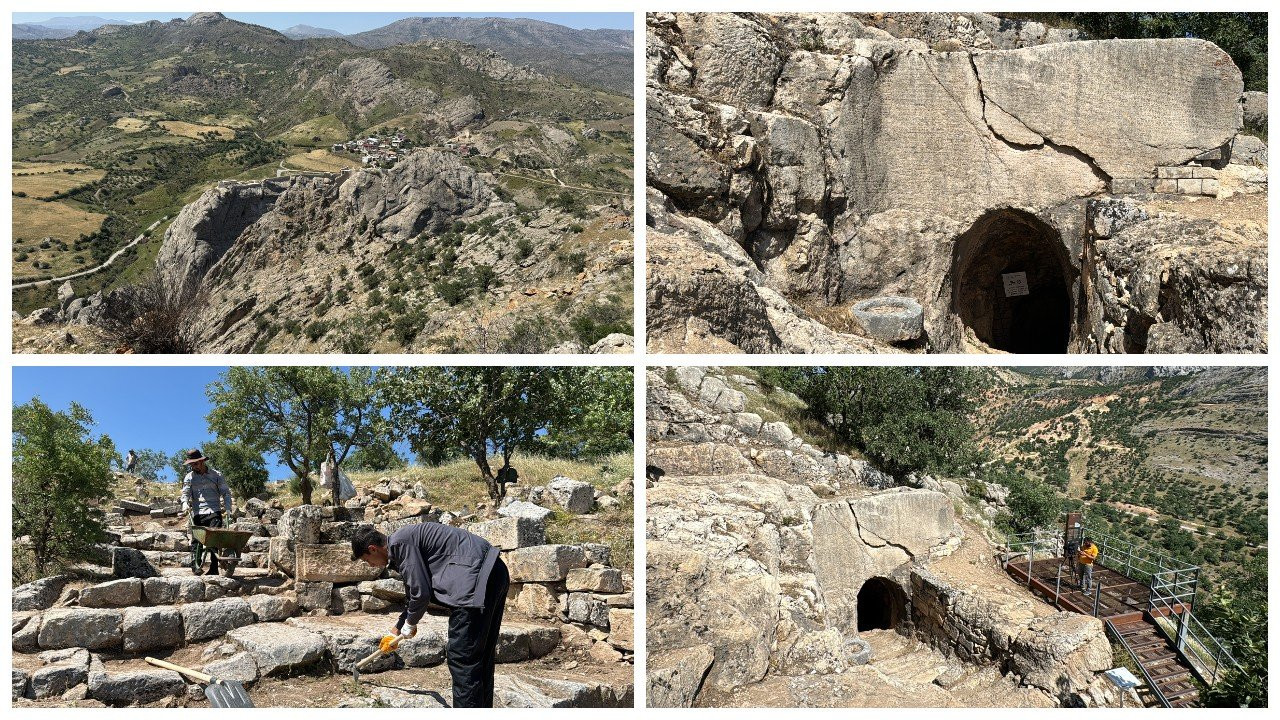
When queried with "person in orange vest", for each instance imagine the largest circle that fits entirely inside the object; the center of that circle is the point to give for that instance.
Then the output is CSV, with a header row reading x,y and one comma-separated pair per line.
x,y
1088,553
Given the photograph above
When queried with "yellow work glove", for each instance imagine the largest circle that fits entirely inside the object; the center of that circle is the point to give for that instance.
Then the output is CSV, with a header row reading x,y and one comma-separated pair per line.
x,y
385,644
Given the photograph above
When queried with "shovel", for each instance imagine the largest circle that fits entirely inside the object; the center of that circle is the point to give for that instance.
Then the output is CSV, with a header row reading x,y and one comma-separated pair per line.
x,y
220,693
388,649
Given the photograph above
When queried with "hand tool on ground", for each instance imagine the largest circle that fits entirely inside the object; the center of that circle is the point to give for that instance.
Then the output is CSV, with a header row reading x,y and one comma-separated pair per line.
x,y
220,693
386,646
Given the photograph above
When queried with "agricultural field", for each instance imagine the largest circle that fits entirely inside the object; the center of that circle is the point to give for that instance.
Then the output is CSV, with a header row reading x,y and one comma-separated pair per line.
x,y
197,132
33,221
321,161
324,130
44,181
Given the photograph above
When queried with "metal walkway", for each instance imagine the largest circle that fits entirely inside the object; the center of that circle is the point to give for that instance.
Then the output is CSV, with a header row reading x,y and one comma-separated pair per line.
x,y
1146,600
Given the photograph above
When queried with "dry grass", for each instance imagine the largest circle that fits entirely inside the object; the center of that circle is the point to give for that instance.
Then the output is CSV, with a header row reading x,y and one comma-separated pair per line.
x,y
131,125
70,69
321,161
780,405
34,220
48,167
191,130
327,127
44,185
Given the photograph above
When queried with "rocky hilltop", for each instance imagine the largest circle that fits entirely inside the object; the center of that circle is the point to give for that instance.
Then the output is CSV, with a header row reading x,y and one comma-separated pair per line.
x,y
799,164
259,264
782,574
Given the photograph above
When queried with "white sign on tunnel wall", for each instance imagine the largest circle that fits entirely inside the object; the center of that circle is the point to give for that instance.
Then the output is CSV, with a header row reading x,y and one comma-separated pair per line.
x,y
1015,284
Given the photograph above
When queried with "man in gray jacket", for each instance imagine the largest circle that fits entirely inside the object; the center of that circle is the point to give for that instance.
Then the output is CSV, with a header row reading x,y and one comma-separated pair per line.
x,y
456,569
206,496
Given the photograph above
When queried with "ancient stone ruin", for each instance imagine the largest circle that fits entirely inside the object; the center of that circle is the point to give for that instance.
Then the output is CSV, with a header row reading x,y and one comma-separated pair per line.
x,y
783,575
297,612
1032,191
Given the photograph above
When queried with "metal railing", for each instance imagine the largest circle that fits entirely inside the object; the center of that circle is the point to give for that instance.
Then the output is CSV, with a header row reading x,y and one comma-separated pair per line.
x,y
1155,688
1206,655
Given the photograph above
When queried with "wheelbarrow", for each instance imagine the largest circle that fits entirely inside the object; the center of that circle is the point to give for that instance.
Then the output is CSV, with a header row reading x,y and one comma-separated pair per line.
x,y
221,543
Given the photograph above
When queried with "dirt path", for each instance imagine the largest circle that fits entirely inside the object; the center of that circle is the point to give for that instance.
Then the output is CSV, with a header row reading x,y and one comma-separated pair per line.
x,y
115,255
562,184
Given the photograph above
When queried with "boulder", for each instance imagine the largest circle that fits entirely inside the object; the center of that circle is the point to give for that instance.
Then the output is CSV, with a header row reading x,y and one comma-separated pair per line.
x,y
131,563
21,680
117,593
535,600
140,687
272,608
279,648
25,630
39,594
588,609
544,563
145,628
388,589
62,672
207,620
594,579
301,524
1061,652
510,533
345,599
81,627
330,563
573,495
517,642
281,556
596,553
520,508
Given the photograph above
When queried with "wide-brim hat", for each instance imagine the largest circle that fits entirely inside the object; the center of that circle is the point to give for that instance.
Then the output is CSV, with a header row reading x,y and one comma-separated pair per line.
x,y
194,456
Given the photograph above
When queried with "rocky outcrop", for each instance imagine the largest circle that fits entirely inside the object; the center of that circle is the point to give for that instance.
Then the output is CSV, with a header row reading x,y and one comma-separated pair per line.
x,y
794,165
367,83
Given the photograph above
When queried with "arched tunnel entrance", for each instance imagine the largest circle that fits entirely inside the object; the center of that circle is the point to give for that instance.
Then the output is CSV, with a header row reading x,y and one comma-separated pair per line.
x,y
1011,283
881,605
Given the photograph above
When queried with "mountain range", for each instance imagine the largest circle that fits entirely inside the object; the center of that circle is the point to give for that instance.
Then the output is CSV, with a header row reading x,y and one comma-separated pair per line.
x,y
601,58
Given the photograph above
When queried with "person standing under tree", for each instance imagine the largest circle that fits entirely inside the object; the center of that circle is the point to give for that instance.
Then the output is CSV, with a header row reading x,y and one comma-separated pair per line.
x,y
206,496
130,461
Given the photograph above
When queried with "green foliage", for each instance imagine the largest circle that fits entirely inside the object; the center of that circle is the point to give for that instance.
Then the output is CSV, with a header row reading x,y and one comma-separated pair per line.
x,y
297,413
595,417
378,455
1032,503
903,419
1238,613
482,411
242,466
149,464
61,475
599,320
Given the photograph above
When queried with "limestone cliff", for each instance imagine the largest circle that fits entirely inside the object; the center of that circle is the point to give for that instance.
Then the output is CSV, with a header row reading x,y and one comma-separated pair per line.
x,y
780,574
827,161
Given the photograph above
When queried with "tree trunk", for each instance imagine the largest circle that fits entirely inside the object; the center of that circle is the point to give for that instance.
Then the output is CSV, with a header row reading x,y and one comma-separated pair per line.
x,y
304,483
495,487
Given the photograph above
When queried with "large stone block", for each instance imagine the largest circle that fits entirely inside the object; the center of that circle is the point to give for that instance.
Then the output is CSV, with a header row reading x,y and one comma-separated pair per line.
x,y
80,627
588,609
145,628
25,630
544,563
594,579
239,667
117,593
279,648
314,595
281,556
675,677
206,620
510,533
39,594
520,508
272,608
65,670
135,688
331,563
574,496
130,562
534,600
302,524
622,628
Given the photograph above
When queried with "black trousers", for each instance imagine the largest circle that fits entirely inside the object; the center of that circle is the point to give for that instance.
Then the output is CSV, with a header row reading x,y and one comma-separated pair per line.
x,y
213,520
473,643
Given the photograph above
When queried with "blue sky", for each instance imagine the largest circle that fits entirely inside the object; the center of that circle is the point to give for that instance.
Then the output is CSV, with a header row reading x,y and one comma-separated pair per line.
x,y
138,407
348,23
